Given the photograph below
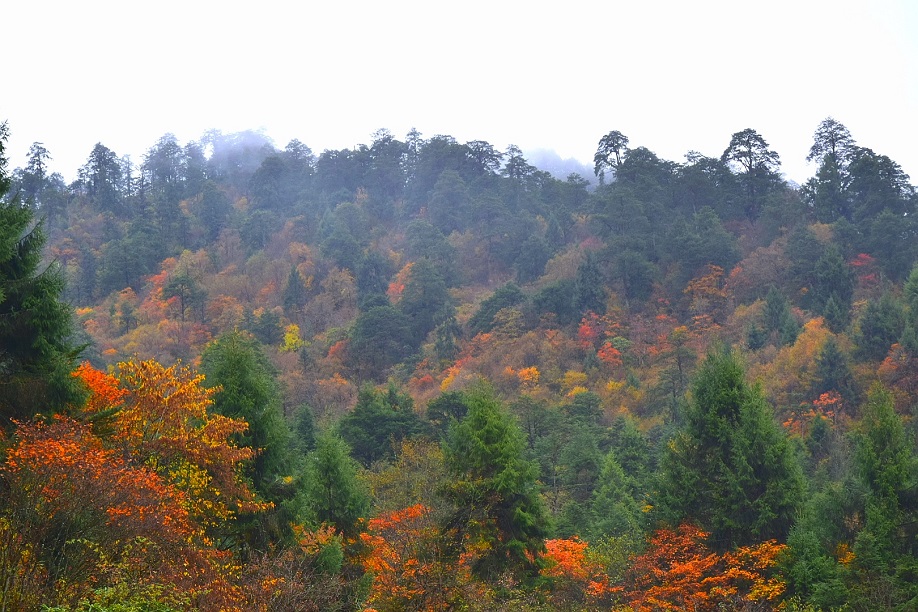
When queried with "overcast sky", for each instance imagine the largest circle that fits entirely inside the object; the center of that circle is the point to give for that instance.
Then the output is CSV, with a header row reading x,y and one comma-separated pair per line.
x,y
673,76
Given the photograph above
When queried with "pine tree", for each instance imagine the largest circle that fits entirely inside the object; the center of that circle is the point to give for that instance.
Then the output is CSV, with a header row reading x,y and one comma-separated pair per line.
x,y
334,494
885,549
730,469
36,351
493,489
614,508
248,391
294,293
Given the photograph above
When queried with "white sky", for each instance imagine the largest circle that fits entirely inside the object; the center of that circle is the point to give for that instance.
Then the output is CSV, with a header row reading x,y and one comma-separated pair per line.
x,y
671,75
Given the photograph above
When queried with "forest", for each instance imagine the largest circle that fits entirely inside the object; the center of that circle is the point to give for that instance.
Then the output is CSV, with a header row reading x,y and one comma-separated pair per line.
x,y
421,374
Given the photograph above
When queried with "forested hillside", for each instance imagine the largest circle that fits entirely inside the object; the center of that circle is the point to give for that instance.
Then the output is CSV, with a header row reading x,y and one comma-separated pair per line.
x,y
425,375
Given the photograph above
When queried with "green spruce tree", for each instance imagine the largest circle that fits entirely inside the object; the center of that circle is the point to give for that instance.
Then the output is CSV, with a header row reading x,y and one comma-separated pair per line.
x,y
37,354
731,468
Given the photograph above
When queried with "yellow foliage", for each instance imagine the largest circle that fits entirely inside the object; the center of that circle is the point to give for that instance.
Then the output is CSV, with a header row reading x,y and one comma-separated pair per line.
x,y
292,340
573,379
577,391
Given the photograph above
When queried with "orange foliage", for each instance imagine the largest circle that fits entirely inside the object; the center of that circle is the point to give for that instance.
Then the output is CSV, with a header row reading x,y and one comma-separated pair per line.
x,y
163,422
397,286
575,577
134,527
679,572
404,560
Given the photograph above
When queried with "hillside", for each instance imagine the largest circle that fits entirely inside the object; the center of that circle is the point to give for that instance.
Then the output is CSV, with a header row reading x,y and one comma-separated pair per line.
x,y
441,371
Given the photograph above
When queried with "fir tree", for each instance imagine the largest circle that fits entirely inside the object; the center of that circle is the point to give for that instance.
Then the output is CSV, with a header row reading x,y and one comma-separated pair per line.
x,y
36,352
731,469
493,489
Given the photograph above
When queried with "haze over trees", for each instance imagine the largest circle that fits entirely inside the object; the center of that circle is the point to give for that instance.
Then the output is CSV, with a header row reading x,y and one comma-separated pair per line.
x,y
425,374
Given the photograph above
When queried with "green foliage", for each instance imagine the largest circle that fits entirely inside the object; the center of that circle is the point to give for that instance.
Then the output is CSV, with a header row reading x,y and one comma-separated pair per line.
x,y
880,326
506,296
493,489
36,352
615,511
589,288
378,422
833,373
778,318
557,299
446,409
333,491
381,337
425,301
237,365
294,292
831,279
731,468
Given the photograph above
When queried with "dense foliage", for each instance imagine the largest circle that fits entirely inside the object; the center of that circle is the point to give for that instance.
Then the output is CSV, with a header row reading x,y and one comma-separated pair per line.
x,y
423,374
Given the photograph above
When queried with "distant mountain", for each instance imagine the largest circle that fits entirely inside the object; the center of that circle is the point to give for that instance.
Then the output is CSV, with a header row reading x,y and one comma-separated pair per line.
x,y
549,161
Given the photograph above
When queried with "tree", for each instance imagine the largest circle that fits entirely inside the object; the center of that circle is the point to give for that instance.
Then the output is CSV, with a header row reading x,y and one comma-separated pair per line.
x,y
294,292
880,326
102,175
499,519
507,296
758,167
35,176
679,572
425,300
190,294
609,153
833,373
730,468
589,288
884,550
244,378
37,354
334,493
831,278
830,138
381,337
377,423
615,511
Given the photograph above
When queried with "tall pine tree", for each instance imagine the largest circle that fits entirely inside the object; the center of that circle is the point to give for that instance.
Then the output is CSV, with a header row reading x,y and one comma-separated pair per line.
x,y
731,469
36,352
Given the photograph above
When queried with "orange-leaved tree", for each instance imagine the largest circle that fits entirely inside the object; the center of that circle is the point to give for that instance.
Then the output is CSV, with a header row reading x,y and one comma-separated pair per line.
x,y
162,420
679,572
78,516
575,576
404,557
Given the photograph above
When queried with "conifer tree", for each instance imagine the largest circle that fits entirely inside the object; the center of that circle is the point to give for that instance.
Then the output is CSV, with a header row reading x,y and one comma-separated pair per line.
x,y
730,469
334,493
36,352
493,488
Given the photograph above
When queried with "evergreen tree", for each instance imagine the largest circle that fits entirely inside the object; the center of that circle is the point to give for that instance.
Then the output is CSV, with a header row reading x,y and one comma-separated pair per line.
x,y
833,373
831,278
879,327
778,318
614,509
36,351
589,288
379,420
493,489
731,468
248,391
334,493
505,297
425,299
886,549
294,292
